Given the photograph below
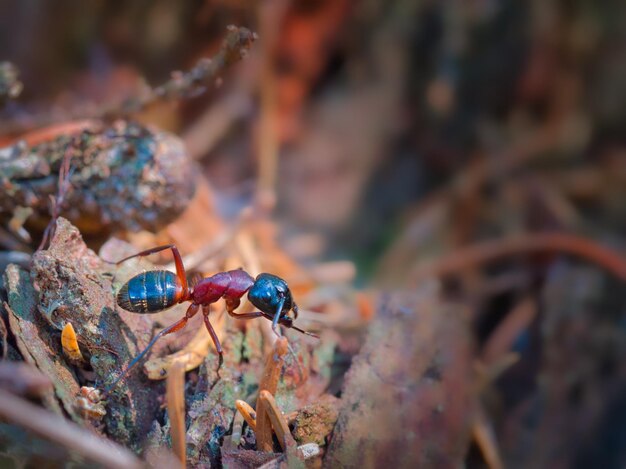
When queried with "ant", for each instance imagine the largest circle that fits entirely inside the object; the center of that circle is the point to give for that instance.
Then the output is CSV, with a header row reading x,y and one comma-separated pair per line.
x,y
156,290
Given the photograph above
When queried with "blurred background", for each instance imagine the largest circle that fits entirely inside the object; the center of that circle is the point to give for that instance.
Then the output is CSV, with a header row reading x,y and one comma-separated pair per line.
x,y
391,134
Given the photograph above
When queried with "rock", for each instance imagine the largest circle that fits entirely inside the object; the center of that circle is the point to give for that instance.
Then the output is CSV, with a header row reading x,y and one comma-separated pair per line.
x,y
407,400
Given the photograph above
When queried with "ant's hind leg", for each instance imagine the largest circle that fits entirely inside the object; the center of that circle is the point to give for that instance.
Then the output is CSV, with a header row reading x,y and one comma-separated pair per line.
x,y
178,325
178,261
147,252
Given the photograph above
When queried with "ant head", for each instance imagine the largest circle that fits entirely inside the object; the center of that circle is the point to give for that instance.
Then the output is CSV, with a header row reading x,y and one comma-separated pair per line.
x,y
268,291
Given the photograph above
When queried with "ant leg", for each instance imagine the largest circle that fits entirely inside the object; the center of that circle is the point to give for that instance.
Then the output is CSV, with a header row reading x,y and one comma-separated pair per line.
x,y
275,321
259,314
178,325
277,315
178,261
256,314
233,303
218,347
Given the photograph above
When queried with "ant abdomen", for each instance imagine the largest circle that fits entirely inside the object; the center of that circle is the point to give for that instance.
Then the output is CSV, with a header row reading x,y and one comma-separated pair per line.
x,y
150,292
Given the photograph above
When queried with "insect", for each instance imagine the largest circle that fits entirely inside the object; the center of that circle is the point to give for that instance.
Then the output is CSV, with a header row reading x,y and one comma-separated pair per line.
x,y
156,290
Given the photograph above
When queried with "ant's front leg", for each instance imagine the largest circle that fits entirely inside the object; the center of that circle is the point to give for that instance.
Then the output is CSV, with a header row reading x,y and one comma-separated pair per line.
x,y
287,322
277,316
206,310
233,303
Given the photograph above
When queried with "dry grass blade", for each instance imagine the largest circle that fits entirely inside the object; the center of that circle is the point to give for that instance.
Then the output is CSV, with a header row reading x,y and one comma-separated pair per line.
x,y
269,383
501,340
235,437
248,413
16,410
278,420
489,373
175,393
483,435
273,366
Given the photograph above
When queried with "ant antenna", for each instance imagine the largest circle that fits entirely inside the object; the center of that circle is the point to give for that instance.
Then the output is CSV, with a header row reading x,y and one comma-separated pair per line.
x,y
305,332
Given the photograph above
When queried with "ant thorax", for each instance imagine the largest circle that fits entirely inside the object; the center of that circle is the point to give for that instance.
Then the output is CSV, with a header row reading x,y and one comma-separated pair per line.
x,y
232,284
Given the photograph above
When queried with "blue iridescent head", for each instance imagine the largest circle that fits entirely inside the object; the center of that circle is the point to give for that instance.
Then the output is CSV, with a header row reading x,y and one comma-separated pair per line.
x,y
267,293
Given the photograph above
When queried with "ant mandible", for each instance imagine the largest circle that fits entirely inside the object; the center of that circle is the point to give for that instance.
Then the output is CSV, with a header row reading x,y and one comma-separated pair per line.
x,y
156,290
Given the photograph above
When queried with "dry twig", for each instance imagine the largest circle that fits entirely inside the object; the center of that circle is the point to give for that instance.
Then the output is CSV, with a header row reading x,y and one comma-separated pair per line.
x,y
183,85
501,340
235,436
23,379
270,13
63,186
175,395
59,430
269,383
486,374
488,251
483,435
278,420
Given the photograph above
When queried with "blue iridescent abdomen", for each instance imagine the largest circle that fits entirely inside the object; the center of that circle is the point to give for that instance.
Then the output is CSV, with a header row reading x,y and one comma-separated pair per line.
x,y
149,292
